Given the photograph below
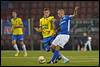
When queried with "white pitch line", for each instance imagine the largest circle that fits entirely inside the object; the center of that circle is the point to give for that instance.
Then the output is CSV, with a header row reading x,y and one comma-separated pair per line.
x,y
71,60
84,61
88,60
19,57
37,57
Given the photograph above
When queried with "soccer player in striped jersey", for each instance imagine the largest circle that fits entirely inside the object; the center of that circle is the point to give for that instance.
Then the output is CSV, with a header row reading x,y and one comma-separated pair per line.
x,y
17,33
63,35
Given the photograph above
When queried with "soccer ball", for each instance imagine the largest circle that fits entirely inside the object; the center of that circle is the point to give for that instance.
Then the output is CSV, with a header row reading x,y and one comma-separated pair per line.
x,y
41,59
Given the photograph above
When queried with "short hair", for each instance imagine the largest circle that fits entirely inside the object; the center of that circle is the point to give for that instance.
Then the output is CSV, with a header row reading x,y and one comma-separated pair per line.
x,y
14,12
45,9
61,9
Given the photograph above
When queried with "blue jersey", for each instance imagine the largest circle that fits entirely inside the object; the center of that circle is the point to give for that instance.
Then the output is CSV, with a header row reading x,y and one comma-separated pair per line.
x,y
65,25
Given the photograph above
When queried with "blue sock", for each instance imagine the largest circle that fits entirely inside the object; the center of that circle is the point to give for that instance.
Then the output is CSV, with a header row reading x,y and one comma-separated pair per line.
x,y
55,55
47,48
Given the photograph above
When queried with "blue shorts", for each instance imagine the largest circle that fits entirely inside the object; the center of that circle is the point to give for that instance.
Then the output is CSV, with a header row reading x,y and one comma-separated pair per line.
x,y
17,37
47,42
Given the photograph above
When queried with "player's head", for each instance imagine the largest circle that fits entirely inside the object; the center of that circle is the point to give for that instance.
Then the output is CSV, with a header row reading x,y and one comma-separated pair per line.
x,y
46,12
61,12
84,34
14,14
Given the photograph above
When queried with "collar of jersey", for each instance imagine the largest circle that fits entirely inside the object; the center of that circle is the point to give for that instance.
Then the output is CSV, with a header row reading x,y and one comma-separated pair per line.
x,y
45,17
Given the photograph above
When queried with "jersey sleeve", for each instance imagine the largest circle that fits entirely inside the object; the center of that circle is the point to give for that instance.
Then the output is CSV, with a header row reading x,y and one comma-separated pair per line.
x,y
12,24
20,21
40,24
71,16
11,21
51,17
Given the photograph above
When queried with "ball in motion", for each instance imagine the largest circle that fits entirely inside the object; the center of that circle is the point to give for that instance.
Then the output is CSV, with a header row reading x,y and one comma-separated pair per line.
x,y
41,59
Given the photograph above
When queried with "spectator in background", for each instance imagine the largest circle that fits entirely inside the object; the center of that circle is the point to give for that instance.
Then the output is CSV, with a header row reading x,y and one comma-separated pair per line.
x,y
80,44
88,43
80,41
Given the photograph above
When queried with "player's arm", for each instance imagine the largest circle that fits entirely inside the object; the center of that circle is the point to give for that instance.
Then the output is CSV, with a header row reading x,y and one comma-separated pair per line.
x,y
54,20
12,28
75,12
38,29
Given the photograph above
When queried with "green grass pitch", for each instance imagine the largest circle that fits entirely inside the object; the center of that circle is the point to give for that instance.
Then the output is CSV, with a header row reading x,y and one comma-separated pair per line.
x,y
81,58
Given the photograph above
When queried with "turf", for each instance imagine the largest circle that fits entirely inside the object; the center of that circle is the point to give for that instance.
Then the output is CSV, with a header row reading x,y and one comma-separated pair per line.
x,y
88,58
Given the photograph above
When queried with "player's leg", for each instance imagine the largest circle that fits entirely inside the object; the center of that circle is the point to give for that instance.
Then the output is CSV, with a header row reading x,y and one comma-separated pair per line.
x,y
85,47
58,42
65,59
61,56
89,44
24,48
46,47
21,38
78,47
55,49
14,37
63,40
46,43
81,47
56,54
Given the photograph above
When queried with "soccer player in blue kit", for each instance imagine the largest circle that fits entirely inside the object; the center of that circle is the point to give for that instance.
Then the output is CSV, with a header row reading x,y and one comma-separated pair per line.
x,y
62,36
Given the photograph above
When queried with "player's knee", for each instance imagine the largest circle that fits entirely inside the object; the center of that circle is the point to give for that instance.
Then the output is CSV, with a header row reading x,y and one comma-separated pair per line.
x,y
21,42
52,46
13,42
57,48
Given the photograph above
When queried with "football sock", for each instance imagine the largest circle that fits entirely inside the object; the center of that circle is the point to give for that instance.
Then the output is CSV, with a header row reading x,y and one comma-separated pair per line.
x,y
16,47
63,57
24,48
48,48
55,55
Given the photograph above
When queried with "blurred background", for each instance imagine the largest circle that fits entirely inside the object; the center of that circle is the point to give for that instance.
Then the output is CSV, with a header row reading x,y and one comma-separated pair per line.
x,y
86,22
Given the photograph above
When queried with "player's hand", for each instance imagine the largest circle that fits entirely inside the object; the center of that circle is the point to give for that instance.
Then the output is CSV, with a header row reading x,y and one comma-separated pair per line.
x,y
54,20
54,34
36,28
76,8
11,30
